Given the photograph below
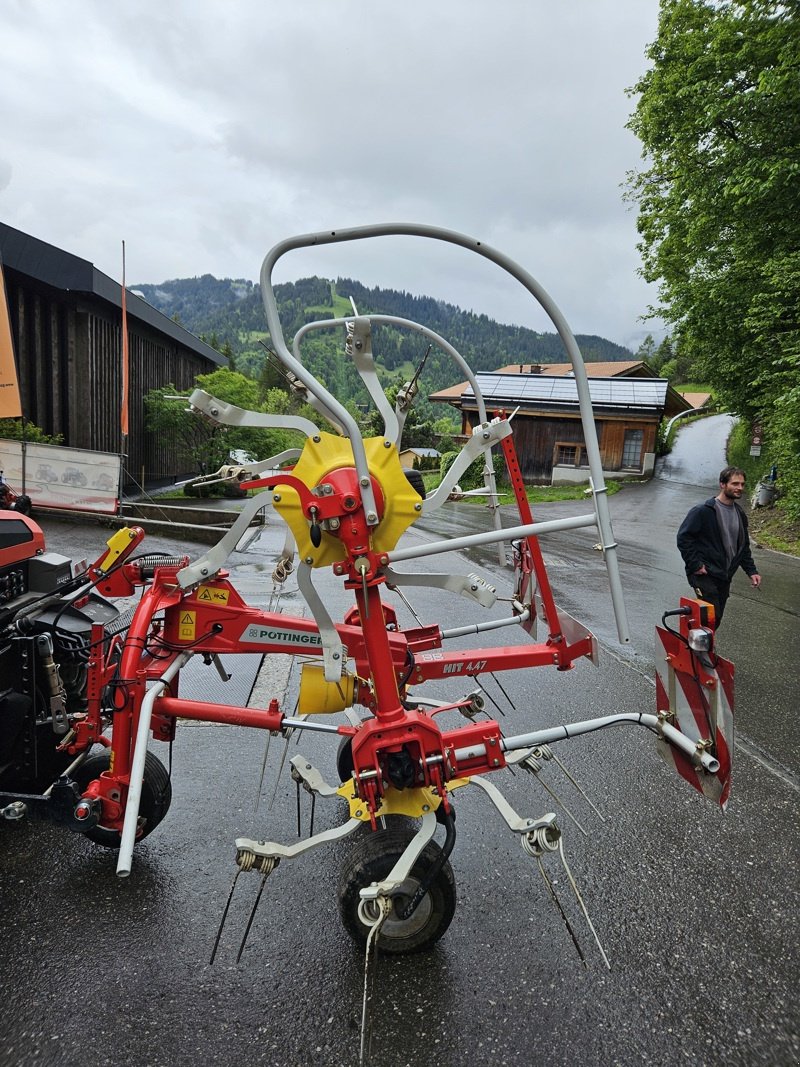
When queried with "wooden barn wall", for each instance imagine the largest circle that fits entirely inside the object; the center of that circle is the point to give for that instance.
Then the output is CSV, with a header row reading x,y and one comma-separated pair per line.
x,y
613,439
68,350
154,362
535,438
41,340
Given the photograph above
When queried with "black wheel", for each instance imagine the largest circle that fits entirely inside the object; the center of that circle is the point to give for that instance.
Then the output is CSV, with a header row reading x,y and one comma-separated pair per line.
x,y
22,504
153,806
415,480
370,861
344,759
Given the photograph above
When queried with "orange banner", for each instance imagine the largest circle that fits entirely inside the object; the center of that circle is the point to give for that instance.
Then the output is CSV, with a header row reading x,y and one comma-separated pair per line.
x,y
10,404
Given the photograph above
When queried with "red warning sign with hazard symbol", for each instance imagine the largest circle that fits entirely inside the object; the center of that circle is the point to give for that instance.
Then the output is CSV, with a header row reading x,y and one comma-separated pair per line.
x,y
698,700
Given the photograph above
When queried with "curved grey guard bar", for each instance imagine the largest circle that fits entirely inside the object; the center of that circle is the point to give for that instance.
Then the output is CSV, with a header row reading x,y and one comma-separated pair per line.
x,y
230,415
415,327
437,233
364,364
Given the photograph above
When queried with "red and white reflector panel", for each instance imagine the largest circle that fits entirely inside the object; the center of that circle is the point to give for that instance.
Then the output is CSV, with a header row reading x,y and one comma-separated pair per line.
x,y
699,702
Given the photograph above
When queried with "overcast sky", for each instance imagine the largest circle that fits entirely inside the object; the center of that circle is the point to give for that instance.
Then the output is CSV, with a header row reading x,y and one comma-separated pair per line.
x,y
202,132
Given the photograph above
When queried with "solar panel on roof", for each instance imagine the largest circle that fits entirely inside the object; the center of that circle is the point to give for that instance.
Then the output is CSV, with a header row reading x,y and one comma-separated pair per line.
x,y
643,393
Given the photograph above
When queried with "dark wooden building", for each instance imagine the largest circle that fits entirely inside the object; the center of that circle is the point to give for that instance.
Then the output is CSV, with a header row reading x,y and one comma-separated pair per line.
x,y
548,433
66,323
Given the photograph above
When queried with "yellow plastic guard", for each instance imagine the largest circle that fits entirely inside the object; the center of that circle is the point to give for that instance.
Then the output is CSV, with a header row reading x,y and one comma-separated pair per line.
x,y
332,453
117,544
318,697
412,802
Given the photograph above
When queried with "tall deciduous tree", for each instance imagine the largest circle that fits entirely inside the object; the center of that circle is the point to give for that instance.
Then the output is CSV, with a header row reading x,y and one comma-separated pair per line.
x,y
718,115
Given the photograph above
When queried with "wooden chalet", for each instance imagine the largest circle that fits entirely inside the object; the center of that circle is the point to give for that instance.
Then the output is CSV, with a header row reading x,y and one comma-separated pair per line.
x,y
628,407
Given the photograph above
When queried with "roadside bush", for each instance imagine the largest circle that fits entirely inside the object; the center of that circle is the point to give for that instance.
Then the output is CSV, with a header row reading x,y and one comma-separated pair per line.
x,y
12,430
472,478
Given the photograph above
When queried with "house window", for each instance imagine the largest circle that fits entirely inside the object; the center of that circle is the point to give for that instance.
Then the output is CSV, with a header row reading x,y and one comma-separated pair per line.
x,y
632,449
567,454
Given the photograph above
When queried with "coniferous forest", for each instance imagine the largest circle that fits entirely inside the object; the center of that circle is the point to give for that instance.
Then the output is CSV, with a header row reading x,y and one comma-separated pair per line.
x,y
229,315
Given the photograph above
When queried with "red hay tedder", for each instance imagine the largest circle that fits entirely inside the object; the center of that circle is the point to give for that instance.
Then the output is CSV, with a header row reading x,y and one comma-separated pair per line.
x,y
86,689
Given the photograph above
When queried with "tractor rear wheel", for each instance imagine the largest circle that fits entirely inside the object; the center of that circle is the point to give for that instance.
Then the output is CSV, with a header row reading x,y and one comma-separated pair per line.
x,y
370,861
153,805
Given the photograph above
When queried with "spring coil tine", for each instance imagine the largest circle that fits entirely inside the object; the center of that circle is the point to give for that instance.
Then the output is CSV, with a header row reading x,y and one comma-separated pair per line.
x,y
383,908
545,753
252,915
283,568
551,890
225,911
532,763
245,859
544,839
579,898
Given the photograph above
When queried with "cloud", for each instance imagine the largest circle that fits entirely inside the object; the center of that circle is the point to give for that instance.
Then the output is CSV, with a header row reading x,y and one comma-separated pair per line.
x,y
204,132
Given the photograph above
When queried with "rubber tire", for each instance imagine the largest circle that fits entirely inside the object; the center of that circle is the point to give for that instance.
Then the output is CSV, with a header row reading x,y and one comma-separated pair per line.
x,y
153,806
23,504
370,861
415,480
344,759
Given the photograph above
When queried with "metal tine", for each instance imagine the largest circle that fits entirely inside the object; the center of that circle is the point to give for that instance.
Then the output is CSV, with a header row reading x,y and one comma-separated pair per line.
x,y
531,764
557,902
302,719
371,950
579,898
276,363
548,754
287,736
264,877
298,782
489,695
502,690
266,750
263,769
224,915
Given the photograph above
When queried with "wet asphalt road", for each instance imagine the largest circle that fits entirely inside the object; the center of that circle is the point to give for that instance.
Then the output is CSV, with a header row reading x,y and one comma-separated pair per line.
x,y
696,910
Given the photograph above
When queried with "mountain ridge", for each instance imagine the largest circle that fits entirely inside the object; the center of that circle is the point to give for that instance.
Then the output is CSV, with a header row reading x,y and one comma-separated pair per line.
x,y
228,314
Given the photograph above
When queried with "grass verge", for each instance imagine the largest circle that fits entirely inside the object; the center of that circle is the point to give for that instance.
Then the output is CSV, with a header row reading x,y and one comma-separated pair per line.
x,y
536,494
769,527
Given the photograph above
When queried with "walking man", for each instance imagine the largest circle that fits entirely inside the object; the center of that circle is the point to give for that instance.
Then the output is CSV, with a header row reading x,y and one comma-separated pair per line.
x,y
714,542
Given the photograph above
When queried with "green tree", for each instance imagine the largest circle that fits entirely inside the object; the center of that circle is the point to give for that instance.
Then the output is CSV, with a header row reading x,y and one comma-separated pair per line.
x,y
204,445
228,353
647,350
663,354
718,115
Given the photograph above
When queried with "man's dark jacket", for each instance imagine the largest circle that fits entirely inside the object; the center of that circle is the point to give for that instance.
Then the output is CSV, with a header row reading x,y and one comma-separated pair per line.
x,y
700,542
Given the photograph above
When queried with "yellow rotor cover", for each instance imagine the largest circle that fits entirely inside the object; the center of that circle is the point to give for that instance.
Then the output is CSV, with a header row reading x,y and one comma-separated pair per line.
x,y
330,453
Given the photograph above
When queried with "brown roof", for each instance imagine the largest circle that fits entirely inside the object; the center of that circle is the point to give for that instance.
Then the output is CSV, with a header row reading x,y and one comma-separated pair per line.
x,y
697,400
611,369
